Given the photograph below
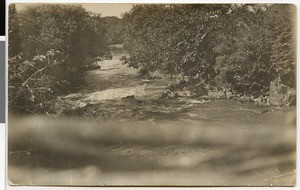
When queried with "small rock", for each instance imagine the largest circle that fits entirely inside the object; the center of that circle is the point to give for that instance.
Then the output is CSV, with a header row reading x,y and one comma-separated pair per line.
x,y
93,66
181,93
173,95
216,95
261,102
228,95
146,80
73,96
244,99
81,104
204,97
186,78
185,92
128,98
201,101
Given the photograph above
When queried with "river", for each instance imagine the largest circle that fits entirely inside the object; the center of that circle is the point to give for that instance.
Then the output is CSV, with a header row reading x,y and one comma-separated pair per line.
x,y
115,80
149,141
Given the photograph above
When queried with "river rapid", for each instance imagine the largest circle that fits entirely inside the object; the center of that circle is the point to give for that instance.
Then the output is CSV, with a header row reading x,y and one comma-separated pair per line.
x,y
106,139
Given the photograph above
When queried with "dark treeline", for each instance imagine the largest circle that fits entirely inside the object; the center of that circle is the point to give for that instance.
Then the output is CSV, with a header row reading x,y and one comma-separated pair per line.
x,y
50,46
114,29
240,47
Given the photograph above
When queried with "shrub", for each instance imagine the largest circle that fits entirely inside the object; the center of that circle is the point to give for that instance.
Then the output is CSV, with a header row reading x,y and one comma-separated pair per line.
x,y
50,46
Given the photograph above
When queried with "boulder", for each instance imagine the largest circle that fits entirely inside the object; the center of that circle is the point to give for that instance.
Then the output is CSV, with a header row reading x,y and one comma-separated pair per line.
x,y
79,105
229,95
173,95
128,98
216,95
184,92
245,98
157,75
281,95
93,66
291,98
167,93
261,101
204,97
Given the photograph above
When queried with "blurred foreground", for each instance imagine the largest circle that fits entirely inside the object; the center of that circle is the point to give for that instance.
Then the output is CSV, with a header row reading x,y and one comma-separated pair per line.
x,y
223,147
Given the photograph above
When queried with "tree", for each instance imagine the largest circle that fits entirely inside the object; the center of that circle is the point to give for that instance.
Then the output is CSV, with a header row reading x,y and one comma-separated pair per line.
x,y
242,47
58,41
282,19
14,39
114,29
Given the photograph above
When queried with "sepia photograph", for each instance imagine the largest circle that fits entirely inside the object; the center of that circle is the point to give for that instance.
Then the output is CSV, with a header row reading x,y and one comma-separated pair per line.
x,y
151,95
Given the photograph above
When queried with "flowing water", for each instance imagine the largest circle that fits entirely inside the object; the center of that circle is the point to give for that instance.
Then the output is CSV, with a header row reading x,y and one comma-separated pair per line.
x,y
115,80
143,140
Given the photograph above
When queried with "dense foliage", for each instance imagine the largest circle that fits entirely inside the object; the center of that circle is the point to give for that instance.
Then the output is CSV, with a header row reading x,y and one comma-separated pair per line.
x,y
240,47
49,48
114,29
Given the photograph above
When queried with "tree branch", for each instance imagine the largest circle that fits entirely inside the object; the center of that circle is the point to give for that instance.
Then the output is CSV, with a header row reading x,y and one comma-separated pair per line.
x,y
26,81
